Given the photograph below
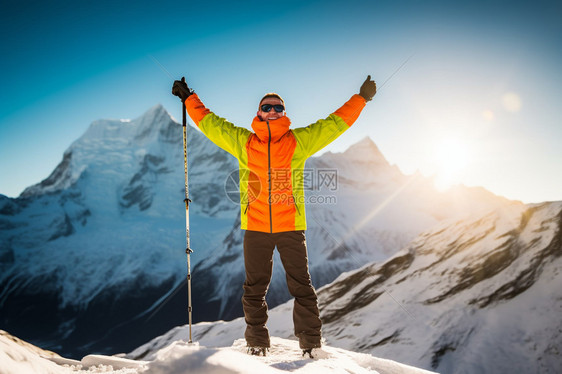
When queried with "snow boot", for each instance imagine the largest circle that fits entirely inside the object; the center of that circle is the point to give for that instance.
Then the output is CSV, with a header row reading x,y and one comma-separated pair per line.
x,y
315,353
257,351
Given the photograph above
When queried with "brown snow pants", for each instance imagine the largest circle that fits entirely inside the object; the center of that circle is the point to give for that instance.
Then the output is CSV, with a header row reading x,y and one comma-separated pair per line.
x,y
258,260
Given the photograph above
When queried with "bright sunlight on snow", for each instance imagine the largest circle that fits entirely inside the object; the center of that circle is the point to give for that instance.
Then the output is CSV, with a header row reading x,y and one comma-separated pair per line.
x,y
180,357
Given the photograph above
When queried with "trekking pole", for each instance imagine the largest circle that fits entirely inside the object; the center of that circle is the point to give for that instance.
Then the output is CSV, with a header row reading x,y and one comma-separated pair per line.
x,y
188,249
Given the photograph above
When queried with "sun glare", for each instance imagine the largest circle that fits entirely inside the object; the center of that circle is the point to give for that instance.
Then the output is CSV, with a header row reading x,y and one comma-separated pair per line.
x,y
511,102
451,156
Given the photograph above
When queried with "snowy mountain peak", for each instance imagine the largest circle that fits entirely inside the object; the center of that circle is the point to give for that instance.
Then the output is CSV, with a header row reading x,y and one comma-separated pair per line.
x,y
157,115
114,143
157,119
364,150
153,121
156,111
362,164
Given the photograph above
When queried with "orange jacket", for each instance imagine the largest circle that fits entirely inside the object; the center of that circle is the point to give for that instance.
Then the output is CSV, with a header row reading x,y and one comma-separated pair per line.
x,y
271,161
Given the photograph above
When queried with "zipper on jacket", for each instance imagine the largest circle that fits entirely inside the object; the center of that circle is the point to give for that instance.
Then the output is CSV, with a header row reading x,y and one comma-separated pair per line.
x,y
296,205
269,177
247,206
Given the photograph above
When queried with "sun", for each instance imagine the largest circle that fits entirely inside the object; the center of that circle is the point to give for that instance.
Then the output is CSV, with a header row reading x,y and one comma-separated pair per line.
x,y
450,157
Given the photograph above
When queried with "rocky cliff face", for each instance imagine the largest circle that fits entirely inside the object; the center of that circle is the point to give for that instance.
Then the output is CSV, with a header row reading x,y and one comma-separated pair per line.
x,y
483,294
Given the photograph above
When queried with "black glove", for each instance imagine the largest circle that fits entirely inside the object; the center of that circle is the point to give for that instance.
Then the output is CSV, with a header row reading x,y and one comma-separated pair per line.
x,y
181,90
368,89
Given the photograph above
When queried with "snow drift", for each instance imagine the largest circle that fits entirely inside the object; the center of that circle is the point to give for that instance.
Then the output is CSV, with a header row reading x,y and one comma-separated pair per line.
x,y
179,357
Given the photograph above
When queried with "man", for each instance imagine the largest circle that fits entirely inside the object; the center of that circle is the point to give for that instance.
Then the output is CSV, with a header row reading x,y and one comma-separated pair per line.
x,y
271,161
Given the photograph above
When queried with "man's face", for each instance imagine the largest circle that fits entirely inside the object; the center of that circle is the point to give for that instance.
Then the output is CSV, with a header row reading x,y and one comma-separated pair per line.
x,y
272,114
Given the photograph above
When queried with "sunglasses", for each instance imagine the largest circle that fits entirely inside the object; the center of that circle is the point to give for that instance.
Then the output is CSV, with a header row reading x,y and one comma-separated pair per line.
x,y
267,107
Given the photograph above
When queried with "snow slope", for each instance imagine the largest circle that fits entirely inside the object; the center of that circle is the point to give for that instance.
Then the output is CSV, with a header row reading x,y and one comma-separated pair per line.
x,y
480,295
179,357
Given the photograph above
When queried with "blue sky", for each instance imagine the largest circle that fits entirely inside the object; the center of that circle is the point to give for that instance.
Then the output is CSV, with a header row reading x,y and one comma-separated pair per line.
x,y
478,102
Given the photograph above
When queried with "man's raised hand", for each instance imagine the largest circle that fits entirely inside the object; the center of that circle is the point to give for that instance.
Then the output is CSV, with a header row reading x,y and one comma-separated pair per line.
x,y
368,89
181,90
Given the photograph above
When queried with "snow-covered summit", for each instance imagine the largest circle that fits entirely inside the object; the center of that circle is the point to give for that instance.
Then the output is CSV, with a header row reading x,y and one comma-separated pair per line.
x,y
179,357
361,165
153,120
113,144
365,150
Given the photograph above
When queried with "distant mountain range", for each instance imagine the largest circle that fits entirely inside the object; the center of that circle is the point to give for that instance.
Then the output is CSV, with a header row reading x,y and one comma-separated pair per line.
x,y
97,250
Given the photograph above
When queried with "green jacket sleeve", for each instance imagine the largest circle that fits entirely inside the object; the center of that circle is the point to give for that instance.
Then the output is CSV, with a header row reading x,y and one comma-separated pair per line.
x,y
321,133
221,132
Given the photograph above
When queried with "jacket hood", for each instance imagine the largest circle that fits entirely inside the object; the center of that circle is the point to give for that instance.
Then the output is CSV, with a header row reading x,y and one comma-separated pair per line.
x,y
278,128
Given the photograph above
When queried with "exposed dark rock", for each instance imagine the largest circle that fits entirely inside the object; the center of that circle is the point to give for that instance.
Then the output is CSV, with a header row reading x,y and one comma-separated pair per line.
x,y
70,195
82,217
439,353
234,238
6,224
216,158
499,259
369,293
138,192
388,269
208,198
7,257
63,227
496,261
8,206
527,277
58,176
59,171
154,160
461,244
361,299
326,273
341,251
171,133
137,195
393,338
449,341
223,260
